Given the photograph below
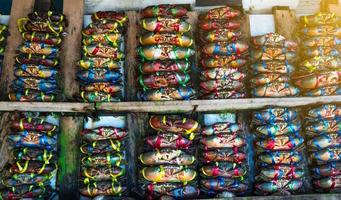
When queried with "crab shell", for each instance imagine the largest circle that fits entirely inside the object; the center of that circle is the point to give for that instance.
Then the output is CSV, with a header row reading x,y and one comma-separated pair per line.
x,y
164,52
168,140
261,79
174,124
275,90
165,24
40,37
26,179
33,124
101,146
330,169
328,183
49,15
104,51
328,41
25,191
40,26
36,71
170,10
326,155
101,27
168,173
36,60
324,91
273,115
109,15
280,157
322,51
99,75
151,38
176,190
222,141
35,154
107,188
32,139
98,62
224,94
105,87
321,18
321,30
164,66
34,167
272,54
38,48
168,94
221,13
100,97
274,40
225,49
215,61
166,156
219,24
279,128
111,39
313,80
103,173
277,67
224,184
221,35
106,159
21,84
219,155
282,142
220,128
324,126
222,73
281,172
226,170
324,141
276,185
325,111
103,133
164,79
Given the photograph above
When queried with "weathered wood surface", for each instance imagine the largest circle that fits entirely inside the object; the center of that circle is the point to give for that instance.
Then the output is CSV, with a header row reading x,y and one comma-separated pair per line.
x,y
317,196
69,157
69,138
71,47
19,9
167,106
285,22
130,68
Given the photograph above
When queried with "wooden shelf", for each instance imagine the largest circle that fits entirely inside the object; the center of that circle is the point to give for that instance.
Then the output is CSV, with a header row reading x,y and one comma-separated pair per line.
x,y
167,106
316,196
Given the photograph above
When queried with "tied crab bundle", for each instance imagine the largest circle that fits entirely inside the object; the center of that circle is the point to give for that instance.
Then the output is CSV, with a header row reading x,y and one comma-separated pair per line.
x,y
37,66
32,170
273,58
103,169
222,54
323,130
223,156
102,66
280,166
319,72
168,158
165,51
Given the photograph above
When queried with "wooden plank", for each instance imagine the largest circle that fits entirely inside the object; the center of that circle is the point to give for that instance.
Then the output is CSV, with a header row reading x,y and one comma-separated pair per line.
x,y
69,157
137,128
285,22
19,9
130,68
46,106
213,105
71,48
316,196
167,106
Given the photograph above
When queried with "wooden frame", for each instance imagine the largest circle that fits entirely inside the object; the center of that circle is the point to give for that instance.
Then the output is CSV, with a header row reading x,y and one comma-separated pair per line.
x,y
136,111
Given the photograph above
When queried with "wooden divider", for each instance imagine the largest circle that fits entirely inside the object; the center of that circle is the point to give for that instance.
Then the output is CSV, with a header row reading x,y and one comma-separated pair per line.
x,y
19,9
71,126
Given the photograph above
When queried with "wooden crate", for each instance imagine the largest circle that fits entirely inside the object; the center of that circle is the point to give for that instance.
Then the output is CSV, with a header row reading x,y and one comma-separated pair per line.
x,y
137,112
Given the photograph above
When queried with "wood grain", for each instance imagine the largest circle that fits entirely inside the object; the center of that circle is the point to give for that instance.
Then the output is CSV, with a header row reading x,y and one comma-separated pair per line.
x,y
285,22
19,10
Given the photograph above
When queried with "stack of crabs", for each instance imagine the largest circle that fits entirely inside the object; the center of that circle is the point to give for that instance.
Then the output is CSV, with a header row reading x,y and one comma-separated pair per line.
x,y
101,67
103,162
169,159
3,35
166,46
320,72
32,172
37,67
222,54
278,149
273,57
223,156
323,129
